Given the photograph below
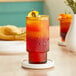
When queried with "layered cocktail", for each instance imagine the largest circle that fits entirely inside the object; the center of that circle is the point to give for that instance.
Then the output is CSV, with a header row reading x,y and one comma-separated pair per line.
x,y
65,21
37,38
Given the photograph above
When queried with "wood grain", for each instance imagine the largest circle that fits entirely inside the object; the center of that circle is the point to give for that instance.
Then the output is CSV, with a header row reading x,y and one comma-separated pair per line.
x,y
18,0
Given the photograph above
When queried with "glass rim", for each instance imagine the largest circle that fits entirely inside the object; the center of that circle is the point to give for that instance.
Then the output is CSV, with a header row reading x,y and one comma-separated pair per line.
x,y
65,19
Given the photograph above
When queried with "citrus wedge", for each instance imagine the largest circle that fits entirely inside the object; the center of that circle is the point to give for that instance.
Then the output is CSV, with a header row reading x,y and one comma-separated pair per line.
x,y
33,14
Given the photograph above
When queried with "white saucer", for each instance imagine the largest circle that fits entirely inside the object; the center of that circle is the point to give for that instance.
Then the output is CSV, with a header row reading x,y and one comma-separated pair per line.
x,y
12,46
49,64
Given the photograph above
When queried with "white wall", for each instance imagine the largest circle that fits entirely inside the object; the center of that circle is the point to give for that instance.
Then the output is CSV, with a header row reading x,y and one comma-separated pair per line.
x,y
54,8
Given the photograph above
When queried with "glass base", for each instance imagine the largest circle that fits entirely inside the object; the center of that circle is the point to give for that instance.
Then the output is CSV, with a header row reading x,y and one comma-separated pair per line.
x,y
37,57
61,43
37,62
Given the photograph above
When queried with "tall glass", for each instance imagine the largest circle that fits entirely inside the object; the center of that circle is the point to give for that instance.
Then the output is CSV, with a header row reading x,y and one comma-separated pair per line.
x,y
37,38
64,27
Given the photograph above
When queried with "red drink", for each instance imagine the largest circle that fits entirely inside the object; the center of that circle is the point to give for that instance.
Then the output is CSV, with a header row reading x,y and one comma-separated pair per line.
x,y
65,21
64,27
37,37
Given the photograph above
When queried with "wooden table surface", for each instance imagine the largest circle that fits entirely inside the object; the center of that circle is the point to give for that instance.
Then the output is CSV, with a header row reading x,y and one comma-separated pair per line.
x,y
65,61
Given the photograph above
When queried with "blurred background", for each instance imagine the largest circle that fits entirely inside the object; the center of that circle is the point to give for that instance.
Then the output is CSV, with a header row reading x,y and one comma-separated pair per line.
x,y
14,12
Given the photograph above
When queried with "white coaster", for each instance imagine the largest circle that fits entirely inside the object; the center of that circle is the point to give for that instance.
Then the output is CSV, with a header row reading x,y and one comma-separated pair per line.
x,y
49,64
12,47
